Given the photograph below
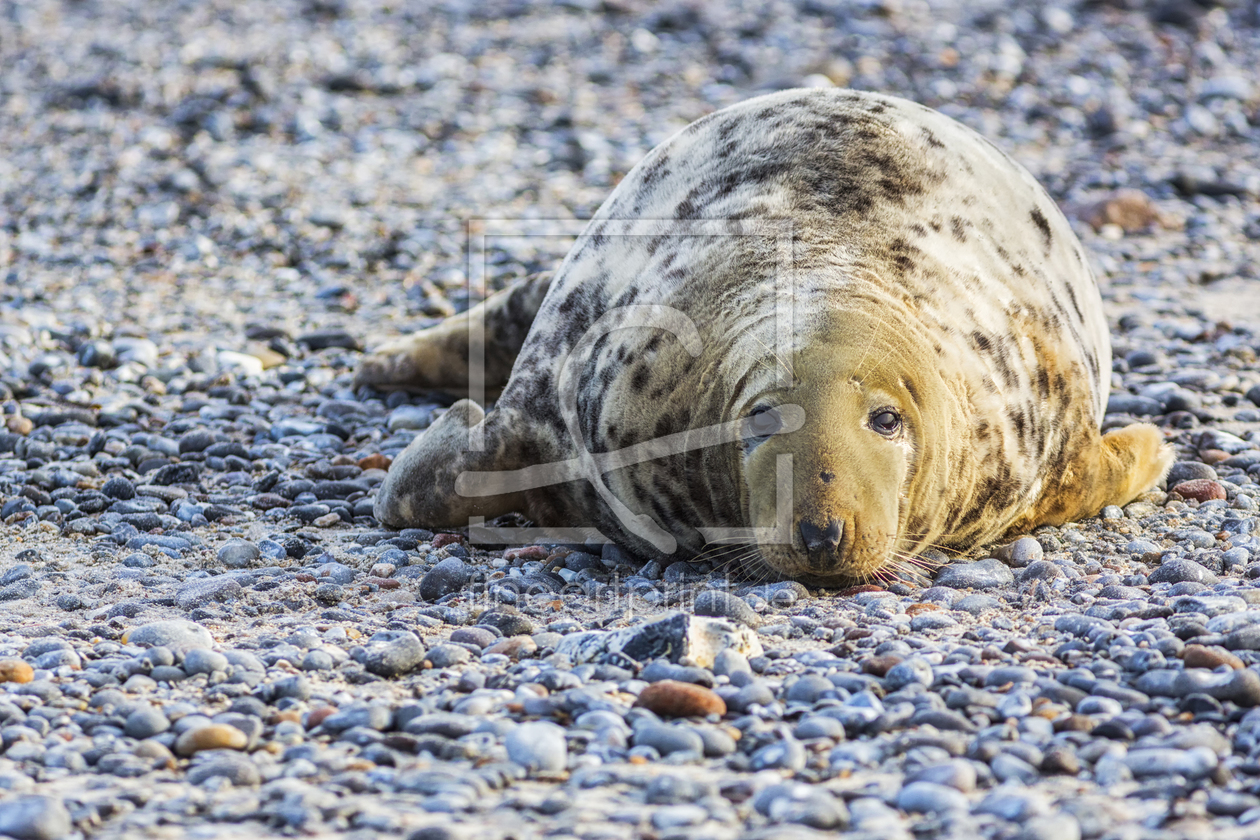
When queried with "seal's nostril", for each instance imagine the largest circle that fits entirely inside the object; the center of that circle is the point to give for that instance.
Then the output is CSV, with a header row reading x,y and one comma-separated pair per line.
x,y
818,540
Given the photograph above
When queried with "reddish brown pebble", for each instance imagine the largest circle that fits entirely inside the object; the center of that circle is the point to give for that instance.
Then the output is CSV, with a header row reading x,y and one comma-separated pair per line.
x,y
384,583
1200,489
1211,657
316,716
304,577
1074,723
671,698
858,590
267,501
1212,456
516,647
16,671
879,666
440,540
926,606
529,552
376,461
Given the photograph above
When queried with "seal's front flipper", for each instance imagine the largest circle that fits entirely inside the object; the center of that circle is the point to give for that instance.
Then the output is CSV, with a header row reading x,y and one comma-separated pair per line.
x,y
419,489
436,359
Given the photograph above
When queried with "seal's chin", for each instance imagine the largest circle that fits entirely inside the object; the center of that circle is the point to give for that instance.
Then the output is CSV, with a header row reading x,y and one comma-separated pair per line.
x,y
841,568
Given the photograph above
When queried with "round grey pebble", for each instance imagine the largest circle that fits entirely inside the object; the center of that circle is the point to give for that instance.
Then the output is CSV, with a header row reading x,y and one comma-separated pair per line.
x,y
238,769
450,575
448,655
730,661
1188,471
393,653
479,636
1051,827
238,554
177,634
787,754
1179,570
930,798
295,687
34,818
538,746
667,738
204,661
118,487
317,660
915,669
1020,553
988,573
715,602
145,722
200,593
793,802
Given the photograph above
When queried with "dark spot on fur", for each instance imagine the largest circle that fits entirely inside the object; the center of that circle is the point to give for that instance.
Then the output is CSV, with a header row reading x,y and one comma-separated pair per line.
x,y
827,477
1043,225
639,379
1043,383
911,390
958,228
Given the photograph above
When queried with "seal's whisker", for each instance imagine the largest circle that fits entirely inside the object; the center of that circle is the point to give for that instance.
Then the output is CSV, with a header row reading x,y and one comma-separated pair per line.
x,y
772,352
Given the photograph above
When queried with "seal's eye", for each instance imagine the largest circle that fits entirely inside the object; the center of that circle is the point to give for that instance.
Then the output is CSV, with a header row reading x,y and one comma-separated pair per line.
x,y
764,421
886,421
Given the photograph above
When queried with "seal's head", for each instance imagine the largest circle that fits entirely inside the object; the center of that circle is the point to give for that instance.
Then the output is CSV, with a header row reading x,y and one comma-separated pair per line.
x,y
866,471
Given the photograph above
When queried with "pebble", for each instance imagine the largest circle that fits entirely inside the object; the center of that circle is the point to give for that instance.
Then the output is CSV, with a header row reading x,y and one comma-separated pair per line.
x,y
16,671
988,573
668,738
145,722
34,818
214,736
1180,569
393,653
1210,657
449,576
538,746
714,602
931,798
177,635
1199,489
238,554
673,699
199,593
238,770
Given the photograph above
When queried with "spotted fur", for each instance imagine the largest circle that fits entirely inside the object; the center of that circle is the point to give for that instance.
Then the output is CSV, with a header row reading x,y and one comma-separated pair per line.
x,y
931,273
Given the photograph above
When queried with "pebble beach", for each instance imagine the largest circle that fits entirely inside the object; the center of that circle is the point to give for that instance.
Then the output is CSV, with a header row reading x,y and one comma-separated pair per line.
x,y
209,212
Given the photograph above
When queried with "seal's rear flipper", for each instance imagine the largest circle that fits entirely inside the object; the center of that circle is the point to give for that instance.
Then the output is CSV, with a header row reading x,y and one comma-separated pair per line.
x,y
436,359
1135,459
419,489
1120,466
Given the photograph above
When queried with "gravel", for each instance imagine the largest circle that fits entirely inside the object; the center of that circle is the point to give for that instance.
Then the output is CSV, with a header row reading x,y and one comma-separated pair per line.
x,y
207,213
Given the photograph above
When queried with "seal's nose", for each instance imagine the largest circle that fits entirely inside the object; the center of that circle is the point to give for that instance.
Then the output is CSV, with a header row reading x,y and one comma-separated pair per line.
x,y
821,543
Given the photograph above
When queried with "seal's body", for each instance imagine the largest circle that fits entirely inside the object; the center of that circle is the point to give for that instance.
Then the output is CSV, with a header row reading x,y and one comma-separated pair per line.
x,y
878,293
